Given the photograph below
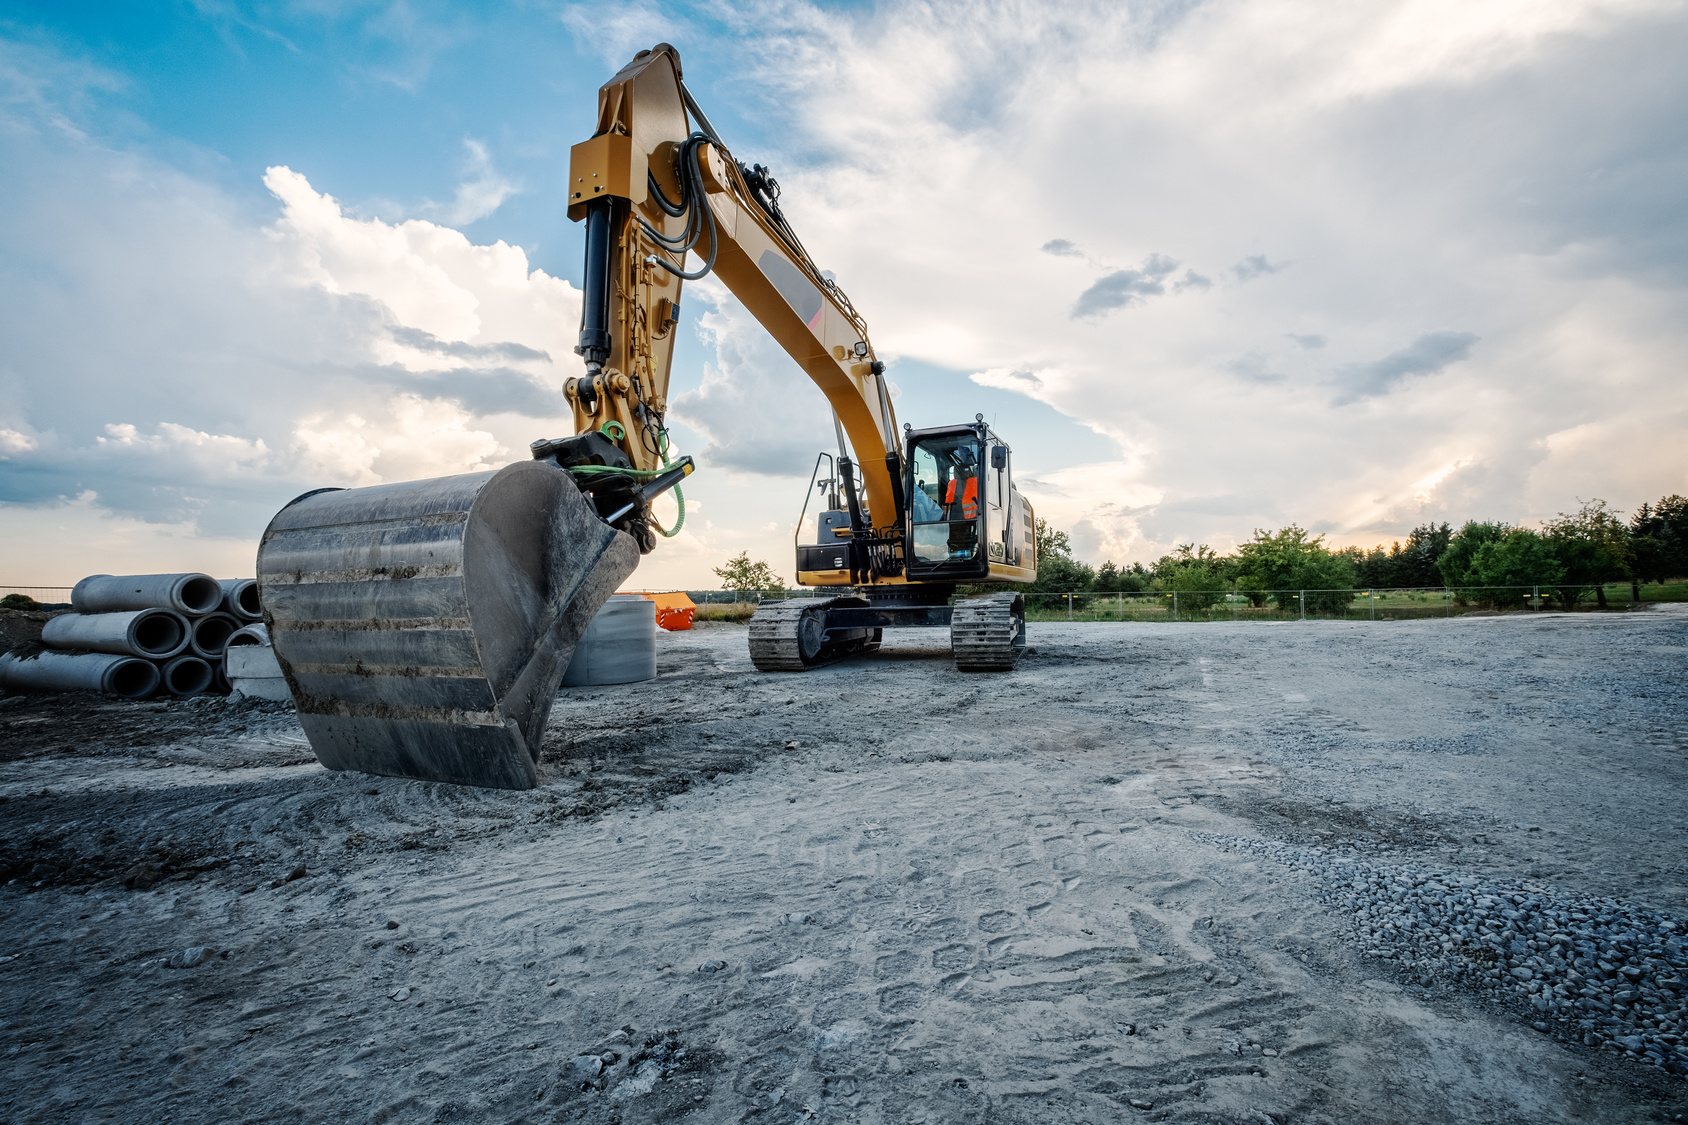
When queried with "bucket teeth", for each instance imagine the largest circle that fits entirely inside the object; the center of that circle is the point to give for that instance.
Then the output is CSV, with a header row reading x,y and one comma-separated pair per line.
x,y
423,627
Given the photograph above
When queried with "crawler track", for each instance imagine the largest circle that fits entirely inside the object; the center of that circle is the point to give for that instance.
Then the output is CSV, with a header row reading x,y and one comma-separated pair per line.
x,y
792,636
988,633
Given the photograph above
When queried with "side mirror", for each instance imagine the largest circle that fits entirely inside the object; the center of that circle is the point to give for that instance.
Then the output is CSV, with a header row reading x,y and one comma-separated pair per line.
x,y
999,457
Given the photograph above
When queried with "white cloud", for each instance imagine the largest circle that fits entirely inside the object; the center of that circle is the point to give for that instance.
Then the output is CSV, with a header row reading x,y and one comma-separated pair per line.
x,y
191,369
615,31
429,277
1442,234
13,441
413,438
1022,379
482,193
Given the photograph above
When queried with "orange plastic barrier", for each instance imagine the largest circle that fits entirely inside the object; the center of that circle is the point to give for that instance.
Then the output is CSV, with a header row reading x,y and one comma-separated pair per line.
x,y
674,612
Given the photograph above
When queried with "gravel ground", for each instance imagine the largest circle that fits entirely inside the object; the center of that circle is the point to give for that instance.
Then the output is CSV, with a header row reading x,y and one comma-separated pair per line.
x,y
1329,872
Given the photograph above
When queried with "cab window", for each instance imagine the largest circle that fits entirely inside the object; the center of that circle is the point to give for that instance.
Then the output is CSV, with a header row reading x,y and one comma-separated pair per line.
x,y
945,499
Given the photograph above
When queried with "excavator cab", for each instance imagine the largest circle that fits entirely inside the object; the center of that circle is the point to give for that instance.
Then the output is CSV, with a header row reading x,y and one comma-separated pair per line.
x,y
957,519
966,520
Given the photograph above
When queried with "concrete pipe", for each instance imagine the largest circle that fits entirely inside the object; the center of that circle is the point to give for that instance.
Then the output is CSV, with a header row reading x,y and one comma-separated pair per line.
x,y
251,635
211,635
240,599
186,675
157,634
619,647
189,594
126,676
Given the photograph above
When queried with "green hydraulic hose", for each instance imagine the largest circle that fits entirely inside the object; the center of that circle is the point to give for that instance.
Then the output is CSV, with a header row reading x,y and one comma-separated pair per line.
x,y
640,474
679,497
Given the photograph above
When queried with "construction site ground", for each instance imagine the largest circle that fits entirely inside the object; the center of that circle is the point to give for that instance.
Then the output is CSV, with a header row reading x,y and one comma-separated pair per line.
x,y
1112,885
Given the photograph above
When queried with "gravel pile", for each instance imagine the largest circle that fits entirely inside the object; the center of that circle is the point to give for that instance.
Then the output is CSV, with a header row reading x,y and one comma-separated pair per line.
x,y
1595,970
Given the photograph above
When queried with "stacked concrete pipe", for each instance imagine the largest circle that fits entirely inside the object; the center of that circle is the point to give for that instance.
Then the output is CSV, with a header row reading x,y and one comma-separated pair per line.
x,y
187,675
152,634
211,635
191,595
180,625
119,653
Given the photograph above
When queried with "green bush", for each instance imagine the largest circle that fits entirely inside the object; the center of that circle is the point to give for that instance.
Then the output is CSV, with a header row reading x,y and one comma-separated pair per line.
x,y
1198,585
1593,547
1290,561
1522,558
1457,561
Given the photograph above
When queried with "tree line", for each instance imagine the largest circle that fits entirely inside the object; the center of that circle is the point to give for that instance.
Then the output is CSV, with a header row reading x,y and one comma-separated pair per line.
x,y
1572,557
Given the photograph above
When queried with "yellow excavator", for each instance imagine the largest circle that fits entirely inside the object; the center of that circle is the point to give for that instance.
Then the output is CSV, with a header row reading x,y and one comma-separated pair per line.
x,y
424,626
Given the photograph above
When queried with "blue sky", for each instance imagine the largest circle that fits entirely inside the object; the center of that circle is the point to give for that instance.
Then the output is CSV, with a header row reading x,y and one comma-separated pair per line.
x,y
375,101
1209,266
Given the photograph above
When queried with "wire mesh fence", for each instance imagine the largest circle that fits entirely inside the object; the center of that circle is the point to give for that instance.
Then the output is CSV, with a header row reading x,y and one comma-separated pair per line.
x,y
1377,604
46,595
1220,604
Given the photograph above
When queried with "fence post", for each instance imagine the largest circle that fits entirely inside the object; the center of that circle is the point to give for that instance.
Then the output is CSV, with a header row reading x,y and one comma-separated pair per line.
x,y
1535,597
1371,604
1119,603
1301,596
1448,598
1175,605
1069,607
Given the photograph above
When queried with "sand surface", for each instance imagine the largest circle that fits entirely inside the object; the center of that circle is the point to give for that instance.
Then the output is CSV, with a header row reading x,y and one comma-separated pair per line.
x,y
878,892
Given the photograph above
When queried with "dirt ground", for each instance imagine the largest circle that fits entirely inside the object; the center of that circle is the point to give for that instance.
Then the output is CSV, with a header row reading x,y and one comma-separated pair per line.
x,y
21,626
1113,885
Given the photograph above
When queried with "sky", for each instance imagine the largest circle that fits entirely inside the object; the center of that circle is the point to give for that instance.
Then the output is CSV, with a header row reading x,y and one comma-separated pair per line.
x,y
1209,267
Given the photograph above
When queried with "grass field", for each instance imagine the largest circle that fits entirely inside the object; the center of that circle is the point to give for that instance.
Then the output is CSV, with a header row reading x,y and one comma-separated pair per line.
x,y
724,611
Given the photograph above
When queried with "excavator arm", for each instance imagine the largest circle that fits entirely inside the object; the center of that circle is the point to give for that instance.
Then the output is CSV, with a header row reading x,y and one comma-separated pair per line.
x,y
654,183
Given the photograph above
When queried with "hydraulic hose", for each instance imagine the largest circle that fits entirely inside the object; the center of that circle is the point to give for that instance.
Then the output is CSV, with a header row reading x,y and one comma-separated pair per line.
x,y
679,501
640,475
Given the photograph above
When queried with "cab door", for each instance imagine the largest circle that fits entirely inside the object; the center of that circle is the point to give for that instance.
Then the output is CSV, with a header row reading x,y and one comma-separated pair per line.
x,y
999,513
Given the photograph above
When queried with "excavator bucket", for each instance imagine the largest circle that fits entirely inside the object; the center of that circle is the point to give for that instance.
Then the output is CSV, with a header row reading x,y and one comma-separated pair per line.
x,y
423,627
